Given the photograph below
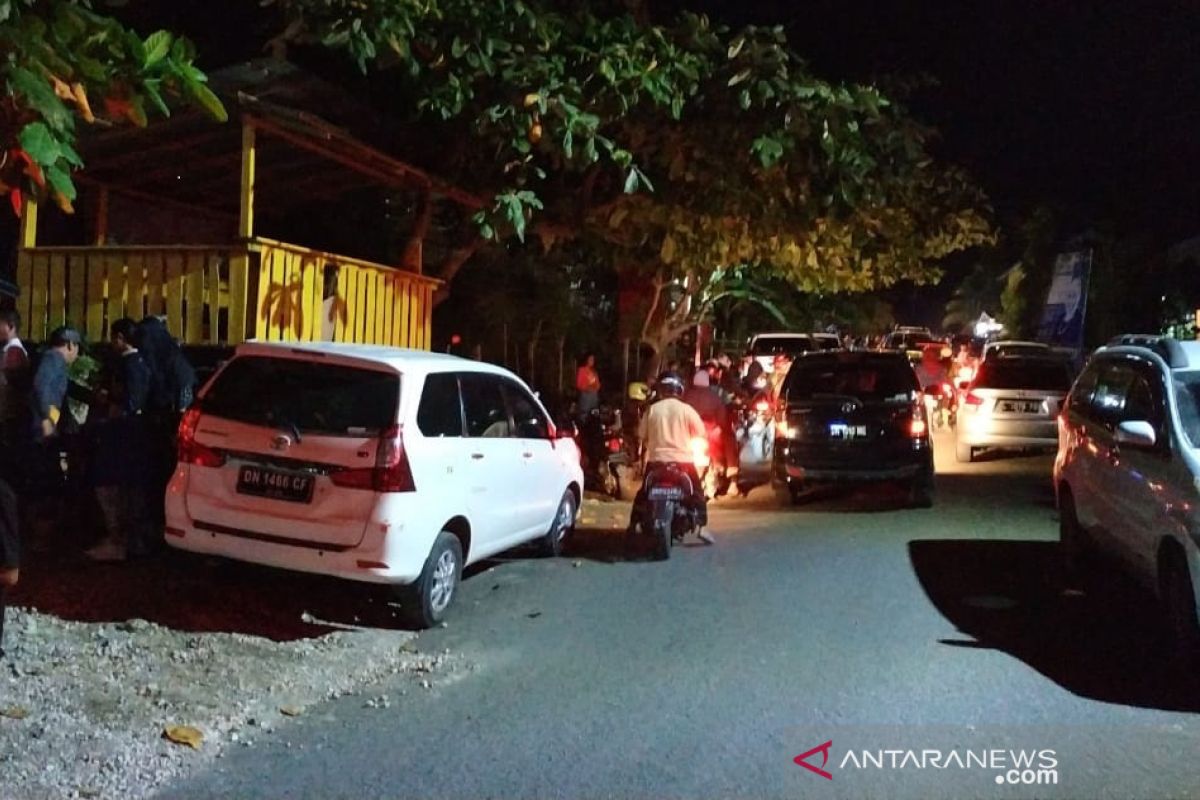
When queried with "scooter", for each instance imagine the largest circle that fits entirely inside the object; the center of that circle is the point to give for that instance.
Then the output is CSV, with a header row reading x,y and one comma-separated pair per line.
x,y
708,456
666,515
941,404
602,442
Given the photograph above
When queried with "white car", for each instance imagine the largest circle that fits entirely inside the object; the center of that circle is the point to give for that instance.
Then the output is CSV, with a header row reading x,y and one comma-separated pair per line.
x,y
370,463
1013,401
764,347
1127,474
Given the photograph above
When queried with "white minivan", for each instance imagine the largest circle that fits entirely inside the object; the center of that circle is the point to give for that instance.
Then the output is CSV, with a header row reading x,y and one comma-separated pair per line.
x,y
371,463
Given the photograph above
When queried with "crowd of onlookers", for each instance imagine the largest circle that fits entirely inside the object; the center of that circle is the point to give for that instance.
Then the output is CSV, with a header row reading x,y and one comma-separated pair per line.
x,y
104,443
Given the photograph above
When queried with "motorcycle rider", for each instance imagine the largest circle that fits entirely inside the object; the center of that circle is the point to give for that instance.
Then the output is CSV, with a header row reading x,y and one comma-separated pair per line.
x,y
713,411
667,432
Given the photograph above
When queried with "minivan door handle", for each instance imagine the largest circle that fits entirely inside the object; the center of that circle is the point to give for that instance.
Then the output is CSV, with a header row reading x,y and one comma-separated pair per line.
x,y
526,455
477,456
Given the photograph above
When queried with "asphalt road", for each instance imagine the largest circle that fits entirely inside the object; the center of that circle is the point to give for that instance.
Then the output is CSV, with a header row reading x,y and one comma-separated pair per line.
x,y
945,633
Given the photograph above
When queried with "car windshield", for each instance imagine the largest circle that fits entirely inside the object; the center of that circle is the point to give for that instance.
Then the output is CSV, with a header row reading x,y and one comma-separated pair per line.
x,y
1187,397
866,379
307,396
909,341
1043,374
785,345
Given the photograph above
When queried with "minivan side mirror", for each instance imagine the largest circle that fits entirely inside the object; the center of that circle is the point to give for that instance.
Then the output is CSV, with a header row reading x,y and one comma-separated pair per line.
x,y
1136,433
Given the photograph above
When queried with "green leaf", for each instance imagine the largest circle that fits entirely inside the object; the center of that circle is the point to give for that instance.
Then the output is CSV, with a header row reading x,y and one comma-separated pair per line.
x,y
158,46
35,93
209,101
60,180
151,90
769,150
68,154
37,140
631,181
735,47
740,77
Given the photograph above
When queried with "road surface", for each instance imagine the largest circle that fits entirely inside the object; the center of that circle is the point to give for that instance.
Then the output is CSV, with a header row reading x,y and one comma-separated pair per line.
x,y
935,652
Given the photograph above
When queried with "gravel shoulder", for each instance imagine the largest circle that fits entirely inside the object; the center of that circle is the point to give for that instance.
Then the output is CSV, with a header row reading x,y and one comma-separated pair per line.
x,y
102,659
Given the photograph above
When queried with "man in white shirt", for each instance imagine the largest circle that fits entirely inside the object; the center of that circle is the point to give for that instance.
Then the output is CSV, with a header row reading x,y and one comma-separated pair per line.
x,y
667,432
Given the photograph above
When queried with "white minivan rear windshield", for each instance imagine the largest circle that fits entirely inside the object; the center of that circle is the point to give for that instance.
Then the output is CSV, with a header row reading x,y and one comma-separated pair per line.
x,y
307,396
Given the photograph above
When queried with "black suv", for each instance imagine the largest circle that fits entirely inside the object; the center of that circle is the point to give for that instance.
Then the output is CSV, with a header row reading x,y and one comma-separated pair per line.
x,y
853,417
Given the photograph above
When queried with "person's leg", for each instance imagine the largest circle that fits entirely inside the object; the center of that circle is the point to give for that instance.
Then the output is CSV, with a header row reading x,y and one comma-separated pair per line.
x,y
141,540
698,498
113,546
11,535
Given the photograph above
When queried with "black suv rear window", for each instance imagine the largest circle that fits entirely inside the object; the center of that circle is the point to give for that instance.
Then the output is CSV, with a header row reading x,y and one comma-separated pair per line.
x,y
867,379
1022,373
317,398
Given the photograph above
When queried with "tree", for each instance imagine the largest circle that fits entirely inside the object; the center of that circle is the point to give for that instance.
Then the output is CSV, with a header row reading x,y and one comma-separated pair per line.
x,y
978,292
698,156
64,62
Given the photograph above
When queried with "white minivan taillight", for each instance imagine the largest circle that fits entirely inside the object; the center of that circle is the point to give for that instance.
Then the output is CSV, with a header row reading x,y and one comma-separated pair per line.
x,y
191,451
391,472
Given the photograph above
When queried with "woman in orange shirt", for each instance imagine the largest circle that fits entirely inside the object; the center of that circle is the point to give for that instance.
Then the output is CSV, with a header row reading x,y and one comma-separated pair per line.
x,y
587,381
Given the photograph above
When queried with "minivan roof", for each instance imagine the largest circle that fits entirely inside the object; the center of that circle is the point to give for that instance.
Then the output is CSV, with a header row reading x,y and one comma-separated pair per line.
x,y
398,358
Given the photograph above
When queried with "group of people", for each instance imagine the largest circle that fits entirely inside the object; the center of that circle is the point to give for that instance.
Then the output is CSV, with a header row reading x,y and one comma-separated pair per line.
x,y
119,452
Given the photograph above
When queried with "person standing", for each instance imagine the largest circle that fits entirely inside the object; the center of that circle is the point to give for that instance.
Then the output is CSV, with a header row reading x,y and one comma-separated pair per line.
x,y
14,391
10,549
587,381
48,399
172,390
122,459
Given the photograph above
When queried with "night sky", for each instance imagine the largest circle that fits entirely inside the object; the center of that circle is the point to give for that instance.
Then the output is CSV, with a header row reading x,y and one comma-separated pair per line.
x,y
1092,106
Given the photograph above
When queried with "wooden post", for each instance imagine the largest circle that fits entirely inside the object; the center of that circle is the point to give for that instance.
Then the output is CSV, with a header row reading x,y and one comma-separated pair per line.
x,y
246,214
101,221
29,223
243,325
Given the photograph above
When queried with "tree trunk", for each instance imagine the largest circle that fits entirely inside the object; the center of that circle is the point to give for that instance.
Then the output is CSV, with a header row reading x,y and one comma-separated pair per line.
x,y
411,257
562,344
531,351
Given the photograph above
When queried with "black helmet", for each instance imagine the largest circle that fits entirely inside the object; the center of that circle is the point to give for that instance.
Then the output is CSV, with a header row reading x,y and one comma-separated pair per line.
x,y
669,385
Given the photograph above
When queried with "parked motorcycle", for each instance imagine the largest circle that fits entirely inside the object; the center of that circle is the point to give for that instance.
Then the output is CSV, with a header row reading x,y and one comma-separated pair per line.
x,y
667,515
602,443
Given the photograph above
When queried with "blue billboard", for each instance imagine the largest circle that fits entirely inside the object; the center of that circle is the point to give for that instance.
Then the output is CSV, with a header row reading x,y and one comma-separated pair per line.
x,y
1066,302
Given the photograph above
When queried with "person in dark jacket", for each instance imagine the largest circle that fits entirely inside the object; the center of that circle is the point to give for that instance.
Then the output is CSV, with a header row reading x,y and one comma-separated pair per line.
x,y
172,390
122,456
46,477
10,549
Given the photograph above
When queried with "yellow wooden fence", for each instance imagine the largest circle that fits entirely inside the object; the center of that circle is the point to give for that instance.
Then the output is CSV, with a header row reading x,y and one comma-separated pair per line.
x,y
206,293
305,295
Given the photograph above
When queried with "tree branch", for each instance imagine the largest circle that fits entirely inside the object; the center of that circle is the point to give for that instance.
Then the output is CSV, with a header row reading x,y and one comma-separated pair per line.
x,y
454,262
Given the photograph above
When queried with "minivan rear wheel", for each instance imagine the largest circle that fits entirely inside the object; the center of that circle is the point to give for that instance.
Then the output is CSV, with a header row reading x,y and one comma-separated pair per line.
x,y
425,601
564,522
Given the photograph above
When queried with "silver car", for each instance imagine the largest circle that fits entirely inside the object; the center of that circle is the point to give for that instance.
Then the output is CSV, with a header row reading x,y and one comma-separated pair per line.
x,y
1014,401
